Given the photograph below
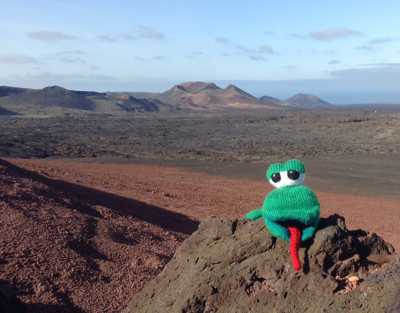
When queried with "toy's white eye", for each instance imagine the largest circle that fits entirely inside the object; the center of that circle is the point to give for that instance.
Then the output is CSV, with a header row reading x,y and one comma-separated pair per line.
x,y
287,178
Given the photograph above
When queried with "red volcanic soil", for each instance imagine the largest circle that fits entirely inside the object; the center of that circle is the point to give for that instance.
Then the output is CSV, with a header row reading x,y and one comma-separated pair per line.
x,y
84,237
66,247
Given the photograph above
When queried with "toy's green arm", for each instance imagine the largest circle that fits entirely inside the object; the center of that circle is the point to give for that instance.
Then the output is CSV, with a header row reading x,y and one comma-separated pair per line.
x,y
277,230
309,231
254,215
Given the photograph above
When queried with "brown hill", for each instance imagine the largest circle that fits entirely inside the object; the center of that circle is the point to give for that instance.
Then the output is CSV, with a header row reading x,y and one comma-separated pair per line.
x,y
201,95
236,97
53,96
270,100
7,91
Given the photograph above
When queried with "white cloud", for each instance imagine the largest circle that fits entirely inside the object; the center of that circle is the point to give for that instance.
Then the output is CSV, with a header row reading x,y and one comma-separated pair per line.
x,y
146,32
70,53
139,32
382,40
257,58
107,38
266,49
17,59
334,34
367,48
152,58
333,62
50,36
383,75
255,54
297,36
73,60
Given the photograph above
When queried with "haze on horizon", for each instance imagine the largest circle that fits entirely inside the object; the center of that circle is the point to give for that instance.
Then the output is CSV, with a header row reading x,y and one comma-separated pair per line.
x,y
342,51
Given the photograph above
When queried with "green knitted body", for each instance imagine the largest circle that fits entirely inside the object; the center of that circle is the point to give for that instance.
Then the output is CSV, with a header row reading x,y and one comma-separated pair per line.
x,y
293,203
291,211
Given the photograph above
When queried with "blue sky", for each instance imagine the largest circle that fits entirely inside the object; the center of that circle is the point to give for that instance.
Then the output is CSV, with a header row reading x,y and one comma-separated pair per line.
x,y
345,51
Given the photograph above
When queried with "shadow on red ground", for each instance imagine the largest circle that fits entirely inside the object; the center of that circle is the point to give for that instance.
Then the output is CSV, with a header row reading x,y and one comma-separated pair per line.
x,y
166,219
65,247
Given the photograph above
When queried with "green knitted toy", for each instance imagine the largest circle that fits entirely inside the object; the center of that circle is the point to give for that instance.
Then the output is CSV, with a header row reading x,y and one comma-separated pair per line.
x,y
291,211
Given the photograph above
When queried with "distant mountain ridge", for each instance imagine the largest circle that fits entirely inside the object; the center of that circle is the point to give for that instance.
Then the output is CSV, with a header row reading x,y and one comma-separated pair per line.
x,y
7,91
187,96
203,96
49,97
307,101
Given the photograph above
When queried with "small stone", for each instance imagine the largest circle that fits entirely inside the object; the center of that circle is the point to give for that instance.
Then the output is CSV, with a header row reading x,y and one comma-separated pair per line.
x,y
353,279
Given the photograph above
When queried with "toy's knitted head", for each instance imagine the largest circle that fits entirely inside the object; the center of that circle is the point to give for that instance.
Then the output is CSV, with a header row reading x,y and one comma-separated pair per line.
x,y
286,174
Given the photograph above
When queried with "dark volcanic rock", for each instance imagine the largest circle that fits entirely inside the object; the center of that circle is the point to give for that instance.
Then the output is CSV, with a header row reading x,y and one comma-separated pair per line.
x,y
6,90
6,112
8,301
53,96
236,266
133,104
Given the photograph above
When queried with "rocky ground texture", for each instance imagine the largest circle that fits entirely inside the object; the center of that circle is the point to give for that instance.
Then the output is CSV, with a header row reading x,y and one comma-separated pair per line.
x,y
70,248
236,266
241,136
73,230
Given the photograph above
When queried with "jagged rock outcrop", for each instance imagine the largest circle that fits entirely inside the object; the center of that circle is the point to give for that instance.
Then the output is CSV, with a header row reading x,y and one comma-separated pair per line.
x,y
236,266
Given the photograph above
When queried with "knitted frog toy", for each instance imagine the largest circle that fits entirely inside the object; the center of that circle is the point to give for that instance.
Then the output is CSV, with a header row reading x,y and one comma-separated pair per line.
x,y
291,211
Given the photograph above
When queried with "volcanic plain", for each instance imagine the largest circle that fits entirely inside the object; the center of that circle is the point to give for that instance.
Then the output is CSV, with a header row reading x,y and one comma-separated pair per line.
x,y
93,206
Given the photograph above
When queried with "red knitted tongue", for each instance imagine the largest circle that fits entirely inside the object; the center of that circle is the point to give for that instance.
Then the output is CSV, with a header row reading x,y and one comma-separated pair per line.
x,y
295,239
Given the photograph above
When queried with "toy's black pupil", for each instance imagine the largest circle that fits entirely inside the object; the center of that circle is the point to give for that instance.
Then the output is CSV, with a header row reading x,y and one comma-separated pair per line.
x,y
276,177
293,175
